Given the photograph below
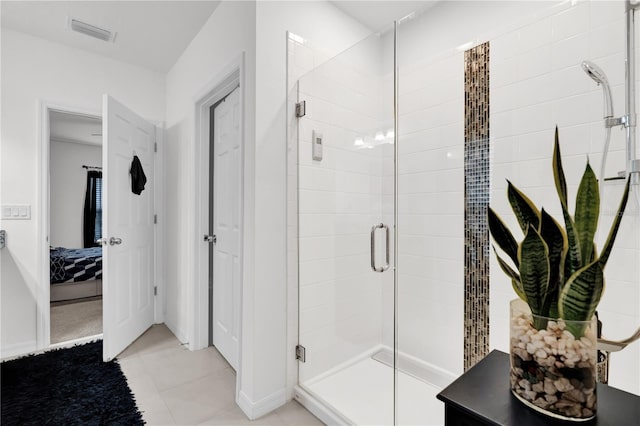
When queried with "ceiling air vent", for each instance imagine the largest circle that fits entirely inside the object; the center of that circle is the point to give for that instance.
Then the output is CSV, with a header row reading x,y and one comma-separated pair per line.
x,y
91,30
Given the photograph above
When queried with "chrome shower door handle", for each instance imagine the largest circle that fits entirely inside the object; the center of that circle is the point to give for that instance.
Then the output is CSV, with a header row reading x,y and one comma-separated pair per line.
x,y
386,244
373,247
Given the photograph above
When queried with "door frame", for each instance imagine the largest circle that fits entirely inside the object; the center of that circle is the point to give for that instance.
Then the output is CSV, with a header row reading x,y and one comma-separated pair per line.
x,y
43,289
231,76
43,307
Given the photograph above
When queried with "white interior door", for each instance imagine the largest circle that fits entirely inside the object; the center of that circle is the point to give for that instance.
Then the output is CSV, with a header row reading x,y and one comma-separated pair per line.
x,y
128,228
226,227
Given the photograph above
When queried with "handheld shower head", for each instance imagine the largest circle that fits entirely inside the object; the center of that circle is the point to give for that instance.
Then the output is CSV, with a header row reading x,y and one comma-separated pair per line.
x,y
596,73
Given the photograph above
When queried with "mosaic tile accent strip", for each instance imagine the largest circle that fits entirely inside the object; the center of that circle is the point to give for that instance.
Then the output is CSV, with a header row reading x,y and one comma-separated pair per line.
x,y
476,199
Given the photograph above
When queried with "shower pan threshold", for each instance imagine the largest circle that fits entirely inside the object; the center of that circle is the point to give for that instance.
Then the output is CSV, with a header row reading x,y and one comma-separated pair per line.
x,y
361,392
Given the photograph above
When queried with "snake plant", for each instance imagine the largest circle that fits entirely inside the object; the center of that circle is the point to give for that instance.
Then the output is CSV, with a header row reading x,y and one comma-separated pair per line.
x,y
558,271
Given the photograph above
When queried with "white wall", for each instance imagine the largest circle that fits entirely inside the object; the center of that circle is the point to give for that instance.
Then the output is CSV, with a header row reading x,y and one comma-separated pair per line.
x,y
35,69
68,187
228,33
258,30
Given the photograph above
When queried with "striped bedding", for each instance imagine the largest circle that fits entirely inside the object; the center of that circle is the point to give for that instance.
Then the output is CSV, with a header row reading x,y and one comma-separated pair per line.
x,y
73,265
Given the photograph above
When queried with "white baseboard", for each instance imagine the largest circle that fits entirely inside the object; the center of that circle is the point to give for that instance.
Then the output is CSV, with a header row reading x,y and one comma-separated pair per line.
x,y
253,410
180,335
18,349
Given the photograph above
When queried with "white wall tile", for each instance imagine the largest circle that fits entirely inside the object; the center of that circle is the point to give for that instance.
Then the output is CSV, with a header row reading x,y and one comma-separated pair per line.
x,y
533,118
534,62
571,111
570,22
534,91
570,51
608,39
535,35
504,71
570,81
505,46
602,13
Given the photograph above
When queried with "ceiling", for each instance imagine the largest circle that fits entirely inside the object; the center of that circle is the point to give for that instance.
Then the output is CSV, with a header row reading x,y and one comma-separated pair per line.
x,y
152,34
379,14
74,128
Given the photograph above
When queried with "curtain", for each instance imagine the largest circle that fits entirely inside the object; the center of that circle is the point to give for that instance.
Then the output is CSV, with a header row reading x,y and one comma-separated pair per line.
x,y
92,223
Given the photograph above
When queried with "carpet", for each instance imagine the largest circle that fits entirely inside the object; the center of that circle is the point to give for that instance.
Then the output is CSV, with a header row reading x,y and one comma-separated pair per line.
x,y
72,320
69,386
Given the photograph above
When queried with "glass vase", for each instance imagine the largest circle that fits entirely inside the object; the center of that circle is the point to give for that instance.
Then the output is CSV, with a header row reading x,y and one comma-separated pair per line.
x,y
553,364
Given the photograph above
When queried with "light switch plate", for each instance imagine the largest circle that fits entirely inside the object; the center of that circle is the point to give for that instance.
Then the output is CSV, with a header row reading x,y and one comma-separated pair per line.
x,y
16,212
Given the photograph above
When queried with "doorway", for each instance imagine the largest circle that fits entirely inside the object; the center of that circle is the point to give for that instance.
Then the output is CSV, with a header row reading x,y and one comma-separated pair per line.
x,y
231,78
127,227
224,225
75,207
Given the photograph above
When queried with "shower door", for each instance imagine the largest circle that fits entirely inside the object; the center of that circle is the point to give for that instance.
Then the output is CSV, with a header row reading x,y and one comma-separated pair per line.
x,y
345,190
432,211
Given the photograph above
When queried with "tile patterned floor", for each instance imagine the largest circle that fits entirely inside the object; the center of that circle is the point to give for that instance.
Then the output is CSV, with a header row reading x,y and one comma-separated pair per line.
x,y
174,386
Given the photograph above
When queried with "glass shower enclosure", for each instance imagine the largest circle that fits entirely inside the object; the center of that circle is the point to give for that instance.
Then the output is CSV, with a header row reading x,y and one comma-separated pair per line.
x,y
396,148
356,188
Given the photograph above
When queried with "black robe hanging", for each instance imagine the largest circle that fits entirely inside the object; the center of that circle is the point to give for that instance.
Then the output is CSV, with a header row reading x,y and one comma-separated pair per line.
x,y
138,178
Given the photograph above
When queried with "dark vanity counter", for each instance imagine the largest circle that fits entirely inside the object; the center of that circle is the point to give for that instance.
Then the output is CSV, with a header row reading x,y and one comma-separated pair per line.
x,y
482,396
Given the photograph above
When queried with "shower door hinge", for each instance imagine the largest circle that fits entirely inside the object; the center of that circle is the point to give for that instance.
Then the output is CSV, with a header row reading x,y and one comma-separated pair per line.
x,y
155,147
301,353
155,290
155,219
301,109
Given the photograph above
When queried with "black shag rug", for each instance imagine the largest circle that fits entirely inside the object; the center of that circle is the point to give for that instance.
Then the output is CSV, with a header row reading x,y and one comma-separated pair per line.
x,y
66,387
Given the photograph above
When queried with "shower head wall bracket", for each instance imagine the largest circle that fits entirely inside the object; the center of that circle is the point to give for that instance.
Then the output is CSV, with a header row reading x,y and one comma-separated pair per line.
x,y
625,121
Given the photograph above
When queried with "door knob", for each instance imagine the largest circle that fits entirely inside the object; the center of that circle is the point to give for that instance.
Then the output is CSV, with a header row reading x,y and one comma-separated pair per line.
x,y
114,241
101,241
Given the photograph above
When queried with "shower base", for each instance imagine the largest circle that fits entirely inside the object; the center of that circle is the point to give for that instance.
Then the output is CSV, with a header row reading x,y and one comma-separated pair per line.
x,y
361,392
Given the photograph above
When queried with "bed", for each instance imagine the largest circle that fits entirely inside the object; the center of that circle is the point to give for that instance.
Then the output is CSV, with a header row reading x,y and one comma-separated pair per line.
x,y
75,273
